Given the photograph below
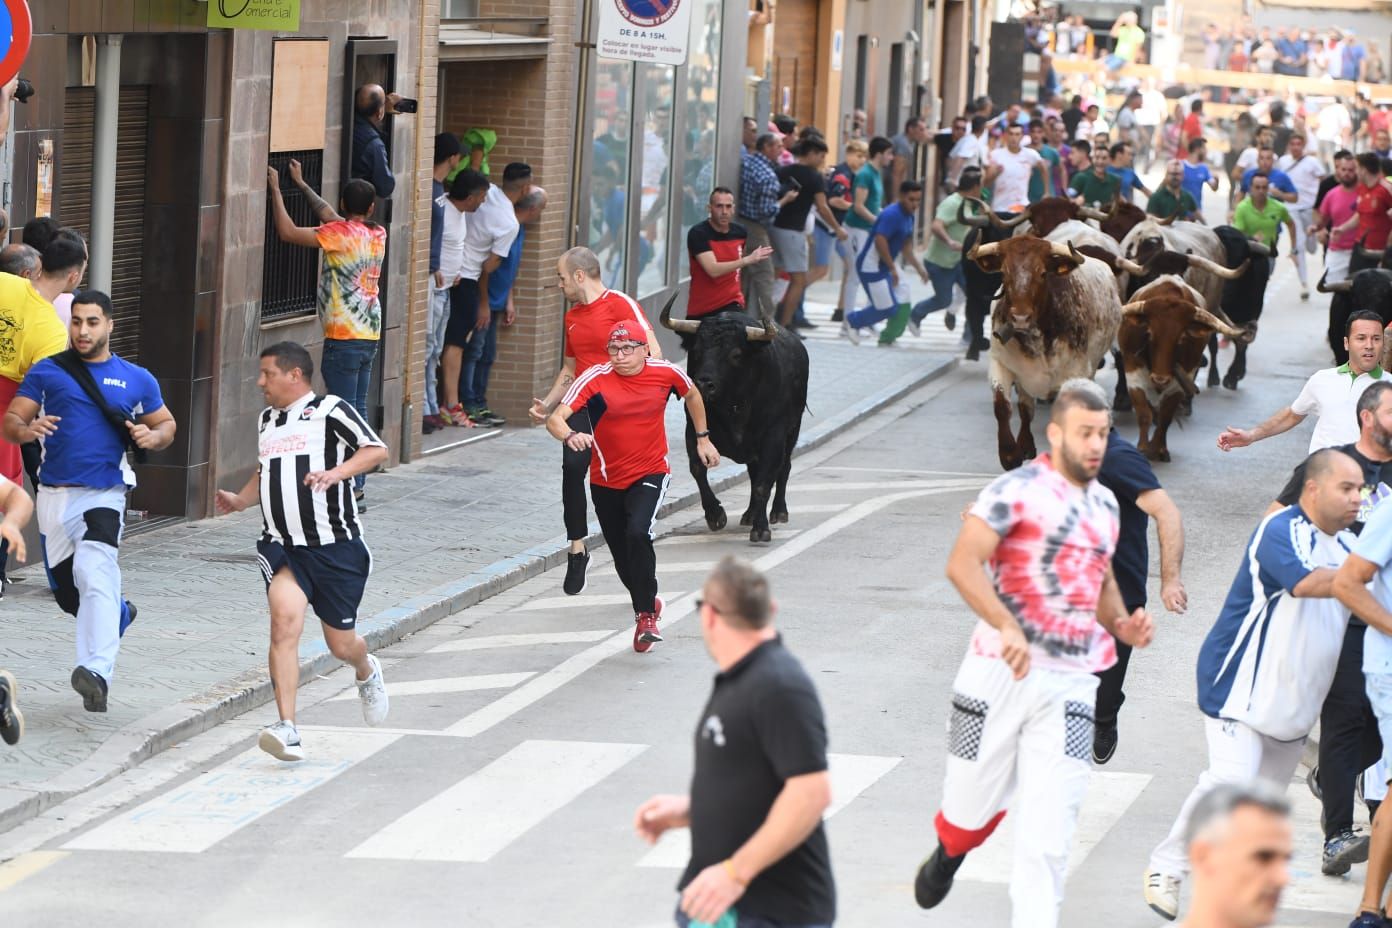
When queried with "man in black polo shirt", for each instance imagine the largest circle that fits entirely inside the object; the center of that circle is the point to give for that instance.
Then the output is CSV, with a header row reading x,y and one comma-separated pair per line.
x,y
716,248
1127,473
1349,741
761,784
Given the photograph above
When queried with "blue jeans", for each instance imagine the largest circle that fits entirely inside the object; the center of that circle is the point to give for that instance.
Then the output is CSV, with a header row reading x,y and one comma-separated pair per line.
x,y
943,279
479,356
748,921
347,369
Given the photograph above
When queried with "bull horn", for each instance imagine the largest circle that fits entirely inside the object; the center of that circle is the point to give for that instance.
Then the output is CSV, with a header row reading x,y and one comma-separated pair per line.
x,y
983,251
1369,253
681,326
981,220
1204,317
1088,212
1213,267
1257,248
1014,221
1066,251
1168,220
755,334
1131,267
1342,286
1133,309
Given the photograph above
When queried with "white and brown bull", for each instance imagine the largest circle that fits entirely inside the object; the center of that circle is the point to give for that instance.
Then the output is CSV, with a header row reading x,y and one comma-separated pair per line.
x,y
1164,331
1056,318
1151,236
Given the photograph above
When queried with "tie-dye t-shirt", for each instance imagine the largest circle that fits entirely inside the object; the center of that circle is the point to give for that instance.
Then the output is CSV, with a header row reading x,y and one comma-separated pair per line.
x,y
1056,542
348,303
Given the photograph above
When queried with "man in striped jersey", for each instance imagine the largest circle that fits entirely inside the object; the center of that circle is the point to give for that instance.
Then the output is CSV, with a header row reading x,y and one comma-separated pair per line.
x,y
588,323
627,399
1268,661
311,549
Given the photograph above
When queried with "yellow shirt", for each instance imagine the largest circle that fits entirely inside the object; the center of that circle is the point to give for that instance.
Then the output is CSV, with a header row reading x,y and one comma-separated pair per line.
x,y
30,329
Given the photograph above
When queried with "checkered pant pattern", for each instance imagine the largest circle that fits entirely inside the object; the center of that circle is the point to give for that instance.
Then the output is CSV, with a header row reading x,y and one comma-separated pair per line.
x,y
968,722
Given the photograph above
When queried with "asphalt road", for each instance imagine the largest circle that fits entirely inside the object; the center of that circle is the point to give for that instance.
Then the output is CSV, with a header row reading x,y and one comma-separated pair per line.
x,y
524,732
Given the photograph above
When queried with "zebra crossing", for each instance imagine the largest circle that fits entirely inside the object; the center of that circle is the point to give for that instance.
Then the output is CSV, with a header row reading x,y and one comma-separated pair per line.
x,y
934,335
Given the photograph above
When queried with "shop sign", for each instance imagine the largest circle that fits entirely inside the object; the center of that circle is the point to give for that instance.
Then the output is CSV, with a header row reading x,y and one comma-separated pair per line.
x,y
656,31
273,15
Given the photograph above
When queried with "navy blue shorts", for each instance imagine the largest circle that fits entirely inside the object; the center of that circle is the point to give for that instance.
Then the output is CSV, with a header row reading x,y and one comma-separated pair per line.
x,y
332,576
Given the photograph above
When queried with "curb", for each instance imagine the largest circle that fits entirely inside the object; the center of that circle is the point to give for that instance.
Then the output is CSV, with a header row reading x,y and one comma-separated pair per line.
x,y
158,731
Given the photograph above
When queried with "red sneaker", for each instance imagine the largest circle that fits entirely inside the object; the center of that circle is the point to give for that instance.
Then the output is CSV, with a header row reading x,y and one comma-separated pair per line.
x,y
645,633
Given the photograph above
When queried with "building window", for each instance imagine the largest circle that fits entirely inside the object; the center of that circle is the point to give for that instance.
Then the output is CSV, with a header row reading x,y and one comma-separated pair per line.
x,y
702,106
655,118
609,181
290,275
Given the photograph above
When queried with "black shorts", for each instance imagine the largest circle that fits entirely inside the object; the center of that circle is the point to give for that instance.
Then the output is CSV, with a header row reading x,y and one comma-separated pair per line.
x,y
332,576
464,305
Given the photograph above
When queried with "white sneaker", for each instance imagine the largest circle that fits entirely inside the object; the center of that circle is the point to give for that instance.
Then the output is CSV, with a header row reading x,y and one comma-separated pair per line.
x,y
850,334
1162,894
372,692
281,741
913,328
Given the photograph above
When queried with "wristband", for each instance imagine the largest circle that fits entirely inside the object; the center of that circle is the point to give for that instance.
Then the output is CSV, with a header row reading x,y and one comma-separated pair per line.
x,y
704,434
730,869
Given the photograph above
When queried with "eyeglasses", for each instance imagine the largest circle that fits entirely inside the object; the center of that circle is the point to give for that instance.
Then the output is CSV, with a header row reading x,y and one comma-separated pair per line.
x,y
620,350
701,602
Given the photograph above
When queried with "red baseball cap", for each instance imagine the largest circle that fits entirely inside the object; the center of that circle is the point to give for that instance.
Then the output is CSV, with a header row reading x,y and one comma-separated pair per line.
x,y
629,332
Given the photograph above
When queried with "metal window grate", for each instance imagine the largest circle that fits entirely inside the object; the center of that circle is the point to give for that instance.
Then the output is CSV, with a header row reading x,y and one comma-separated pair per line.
x,y
290,276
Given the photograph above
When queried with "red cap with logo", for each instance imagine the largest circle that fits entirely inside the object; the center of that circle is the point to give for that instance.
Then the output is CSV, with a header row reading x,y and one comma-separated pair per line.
x,y
628,332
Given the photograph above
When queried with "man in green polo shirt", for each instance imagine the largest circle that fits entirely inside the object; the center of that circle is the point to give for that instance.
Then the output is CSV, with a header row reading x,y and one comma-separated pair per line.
x,y
1260,216
1172,199
1096,187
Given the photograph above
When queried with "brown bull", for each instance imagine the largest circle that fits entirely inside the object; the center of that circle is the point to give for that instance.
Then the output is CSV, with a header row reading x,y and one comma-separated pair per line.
x,y
1164,331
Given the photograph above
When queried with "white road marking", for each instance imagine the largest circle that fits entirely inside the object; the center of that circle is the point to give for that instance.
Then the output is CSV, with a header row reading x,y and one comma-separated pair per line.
x,y
685,567
727,534
798,508
192,818
851,775
909,470
1109,795
482,681
956,483
678,607
580,602
485,642
488,810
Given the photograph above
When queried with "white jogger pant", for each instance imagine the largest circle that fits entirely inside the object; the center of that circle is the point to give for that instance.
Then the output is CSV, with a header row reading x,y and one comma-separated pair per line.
x,y
850,284
1300,247
1237,754
1025,745
80,530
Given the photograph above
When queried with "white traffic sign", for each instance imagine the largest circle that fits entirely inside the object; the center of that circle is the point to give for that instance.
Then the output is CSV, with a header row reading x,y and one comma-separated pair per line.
x,y
655,31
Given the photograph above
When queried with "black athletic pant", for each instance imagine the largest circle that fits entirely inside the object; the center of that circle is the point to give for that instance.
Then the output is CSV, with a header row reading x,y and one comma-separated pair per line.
x,y
1109,682
626,517
1349,741
574,466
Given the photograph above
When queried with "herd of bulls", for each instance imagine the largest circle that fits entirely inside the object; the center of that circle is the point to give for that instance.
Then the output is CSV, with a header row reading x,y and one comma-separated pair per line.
x,y
1155,293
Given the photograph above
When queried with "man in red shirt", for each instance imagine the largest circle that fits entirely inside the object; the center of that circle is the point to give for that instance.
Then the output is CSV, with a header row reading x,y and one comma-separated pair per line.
x,y
1192,127
716,248
628,470
588,323
1374,217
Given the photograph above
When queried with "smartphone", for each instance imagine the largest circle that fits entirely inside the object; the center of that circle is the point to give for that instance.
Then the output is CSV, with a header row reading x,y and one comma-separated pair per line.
x,y
405,105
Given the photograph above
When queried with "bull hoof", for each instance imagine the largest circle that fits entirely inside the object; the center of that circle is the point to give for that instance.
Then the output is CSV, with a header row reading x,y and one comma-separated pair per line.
x,y
1230,382
715,521
1122,403
778,516
1154,454
747,518
1213,375
760,536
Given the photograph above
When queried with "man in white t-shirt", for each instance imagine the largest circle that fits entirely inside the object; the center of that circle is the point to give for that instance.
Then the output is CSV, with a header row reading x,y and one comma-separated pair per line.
x,y
1305,171
1248,159
1331,394
1268,661
1335,129
969,152
1008,174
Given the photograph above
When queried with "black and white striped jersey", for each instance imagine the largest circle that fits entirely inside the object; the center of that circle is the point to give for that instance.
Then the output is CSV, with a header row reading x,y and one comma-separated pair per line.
x,y
312,434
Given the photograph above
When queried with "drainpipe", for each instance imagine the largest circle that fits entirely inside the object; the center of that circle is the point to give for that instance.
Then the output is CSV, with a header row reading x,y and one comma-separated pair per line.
x,y
104,162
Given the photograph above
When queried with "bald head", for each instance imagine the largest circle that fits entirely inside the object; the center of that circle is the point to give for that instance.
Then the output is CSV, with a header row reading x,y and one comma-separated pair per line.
x,y
19,260
1333,490
1325,462
370,102
530,206
581,259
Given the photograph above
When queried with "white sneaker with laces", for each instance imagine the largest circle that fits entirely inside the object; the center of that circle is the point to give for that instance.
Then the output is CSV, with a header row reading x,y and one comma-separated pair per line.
x,y
913,327
281,741
1162,894
372,692
850,334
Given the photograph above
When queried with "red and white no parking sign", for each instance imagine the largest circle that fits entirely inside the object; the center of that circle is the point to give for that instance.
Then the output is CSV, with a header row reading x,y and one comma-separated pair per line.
x,y
16,31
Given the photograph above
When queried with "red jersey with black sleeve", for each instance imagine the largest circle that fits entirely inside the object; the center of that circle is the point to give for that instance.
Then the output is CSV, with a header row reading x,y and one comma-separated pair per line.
x,y
709,293
587,328
1373,222
630,434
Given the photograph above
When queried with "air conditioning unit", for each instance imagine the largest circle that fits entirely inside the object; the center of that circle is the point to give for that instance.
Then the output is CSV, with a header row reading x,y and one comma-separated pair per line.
x,y
459,9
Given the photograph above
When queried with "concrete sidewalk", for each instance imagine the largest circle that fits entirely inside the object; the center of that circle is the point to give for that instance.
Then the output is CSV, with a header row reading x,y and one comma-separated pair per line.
x,y
446,532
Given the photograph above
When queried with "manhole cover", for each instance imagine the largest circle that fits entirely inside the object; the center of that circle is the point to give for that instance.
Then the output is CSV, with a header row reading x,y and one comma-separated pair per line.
x,y
229,558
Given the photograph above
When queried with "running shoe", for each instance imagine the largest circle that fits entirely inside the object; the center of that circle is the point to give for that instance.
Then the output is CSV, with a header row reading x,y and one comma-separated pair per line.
x,y
91,687
849,334
950,320
1342,851
1104,743
456,415
838,315
431,423
127,617
1368,919
11,719
934,878
485,416
1162,894
575,581
372,693
914,327
281,741
645,633
1304,294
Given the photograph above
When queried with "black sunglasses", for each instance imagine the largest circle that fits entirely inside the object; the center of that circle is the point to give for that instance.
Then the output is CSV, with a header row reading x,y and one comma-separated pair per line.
x,y
701,602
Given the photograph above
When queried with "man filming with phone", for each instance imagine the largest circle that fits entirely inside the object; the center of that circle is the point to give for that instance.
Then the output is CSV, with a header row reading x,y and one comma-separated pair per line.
x,y
371,162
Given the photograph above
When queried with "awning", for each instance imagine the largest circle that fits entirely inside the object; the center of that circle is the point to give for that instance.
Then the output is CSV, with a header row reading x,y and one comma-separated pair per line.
x,y
478,42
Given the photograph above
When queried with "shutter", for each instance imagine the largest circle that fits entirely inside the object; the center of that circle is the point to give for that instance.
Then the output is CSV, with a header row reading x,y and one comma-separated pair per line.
x,y
75,198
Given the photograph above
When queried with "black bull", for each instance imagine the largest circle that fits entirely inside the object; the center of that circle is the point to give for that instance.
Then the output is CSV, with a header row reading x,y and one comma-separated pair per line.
x,y
753,378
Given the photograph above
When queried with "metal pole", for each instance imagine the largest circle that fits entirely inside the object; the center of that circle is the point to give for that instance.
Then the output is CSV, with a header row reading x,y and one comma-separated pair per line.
x,y
104,162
